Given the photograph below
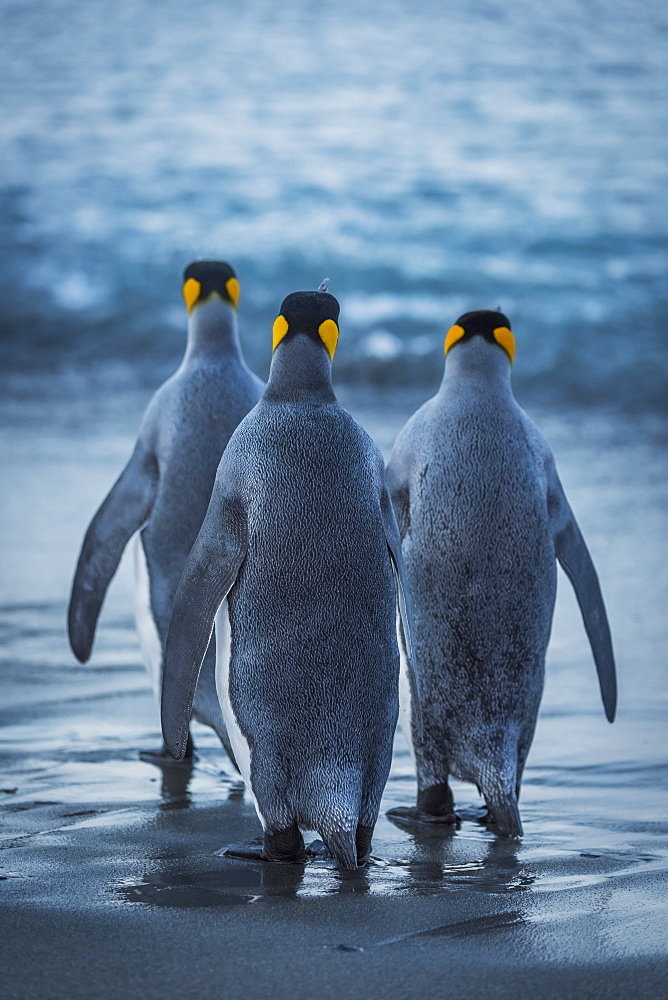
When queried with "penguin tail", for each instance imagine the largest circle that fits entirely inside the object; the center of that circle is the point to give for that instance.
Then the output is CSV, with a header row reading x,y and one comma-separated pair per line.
x,y
499,784
504,814
342,845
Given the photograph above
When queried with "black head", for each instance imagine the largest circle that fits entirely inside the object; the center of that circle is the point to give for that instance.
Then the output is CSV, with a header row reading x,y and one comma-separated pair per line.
x,y
314,313
487,323
204,278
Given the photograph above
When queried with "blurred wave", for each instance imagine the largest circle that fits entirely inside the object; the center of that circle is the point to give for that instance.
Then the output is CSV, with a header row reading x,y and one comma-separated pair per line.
x,y
429,157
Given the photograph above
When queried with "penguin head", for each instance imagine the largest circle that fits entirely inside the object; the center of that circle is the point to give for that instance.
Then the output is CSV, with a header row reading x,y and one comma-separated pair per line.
x,y
204,278
487,323
315,314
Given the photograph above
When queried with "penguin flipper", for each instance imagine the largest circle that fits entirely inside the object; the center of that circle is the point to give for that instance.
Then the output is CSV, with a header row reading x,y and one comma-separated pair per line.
x,y
397,485
208,577
575,560
122,513
403,601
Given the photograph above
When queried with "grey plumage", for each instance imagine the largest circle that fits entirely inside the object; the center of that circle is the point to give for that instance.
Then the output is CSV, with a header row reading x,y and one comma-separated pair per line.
x,y
483,516
165,488
294,559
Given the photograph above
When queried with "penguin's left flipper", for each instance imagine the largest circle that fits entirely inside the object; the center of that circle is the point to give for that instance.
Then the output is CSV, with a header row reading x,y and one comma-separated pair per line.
x,y
575,560
208,577
123,512
403,601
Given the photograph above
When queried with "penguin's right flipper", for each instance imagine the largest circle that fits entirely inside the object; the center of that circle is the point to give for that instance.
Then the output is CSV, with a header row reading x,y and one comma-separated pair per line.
x,y
123,512
397,485
575,560
209,575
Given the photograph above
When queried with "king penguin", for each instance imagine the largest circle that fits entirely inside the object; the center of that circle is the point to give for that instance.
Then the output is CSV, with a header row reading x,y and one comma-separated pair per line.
x,y
299,563
162,495
483,519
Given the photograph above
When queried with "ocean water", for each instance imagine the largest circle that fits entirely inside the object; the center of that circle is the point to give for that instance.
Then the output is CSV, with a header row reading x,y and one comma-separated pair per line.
x,y
429,157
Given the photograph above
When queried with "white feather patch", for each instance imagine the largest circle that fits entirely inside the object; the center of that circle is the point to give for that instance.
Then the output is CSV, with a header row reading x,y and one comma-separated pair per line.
x,y
405,697
238,741
149,640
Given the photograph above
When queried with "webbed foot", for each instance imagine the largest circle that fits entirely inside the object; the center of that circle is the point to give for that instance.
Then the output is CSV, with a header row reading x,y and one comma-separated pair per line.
x,y
435,804
245,852
316,849
286,846
409,815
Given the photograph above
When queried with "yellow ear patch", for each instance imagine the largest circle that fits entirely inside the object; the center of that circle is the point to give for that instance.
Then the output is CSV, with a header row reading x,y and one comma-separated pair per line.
x,y
232,289
504,337
280,329
329,334
191,290
454,334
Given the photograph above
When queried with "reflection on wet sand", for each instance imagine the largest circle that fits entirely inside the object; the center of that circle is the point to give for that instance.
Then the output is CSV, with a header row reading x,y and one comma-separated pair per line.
x,y
432,867
435,866
175,779
236,882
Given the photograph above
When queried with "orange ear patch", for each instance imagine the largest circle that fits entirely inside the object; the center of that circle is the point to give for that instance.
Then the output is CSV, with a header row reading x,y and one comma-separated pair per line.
x,y
191,290
504,337
329,334
279,331
454,334
232,288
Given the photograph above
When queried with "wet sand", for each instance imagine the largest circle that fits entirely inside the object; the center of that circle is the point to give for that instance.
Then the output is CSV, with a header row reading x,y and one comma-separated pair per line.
x,y
112,885
110,880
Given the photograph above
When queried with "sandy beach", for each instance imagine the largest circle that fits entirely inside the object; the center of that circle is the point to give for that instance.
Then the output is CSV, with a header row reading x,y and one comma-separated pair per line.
x,y
111,880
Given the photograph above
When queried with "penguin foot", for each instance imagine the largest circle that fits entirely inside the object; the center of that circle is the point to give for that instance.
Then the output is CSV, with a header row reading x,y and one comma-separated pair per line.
x,y
435,805
409,815
316,849
437,800
503,817
163,758
286,846
245,852
503,829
